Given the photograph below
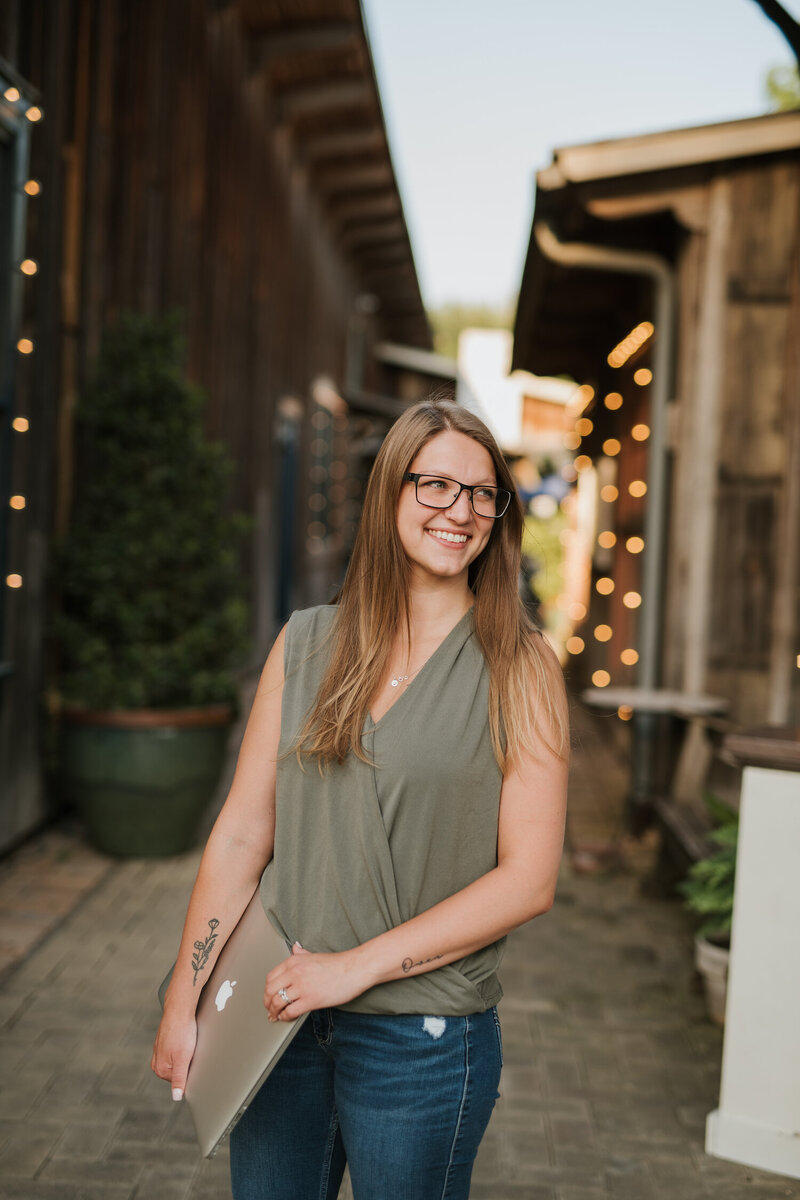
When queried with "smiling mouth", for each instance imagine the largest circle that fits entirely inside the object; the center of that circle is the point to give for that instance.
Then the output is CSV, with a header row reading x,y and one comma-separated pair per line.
x,y
457,539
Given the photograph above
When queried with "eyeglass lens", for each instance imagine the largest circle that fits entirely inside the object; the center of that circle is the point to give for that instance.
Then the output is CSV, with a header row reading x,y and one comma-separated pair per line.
x,y
436,492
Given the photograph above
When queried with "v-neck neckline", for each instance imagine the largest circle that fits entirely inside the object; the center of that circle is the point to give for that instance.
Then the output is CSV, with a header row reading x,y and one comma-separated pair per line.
x,y
371,723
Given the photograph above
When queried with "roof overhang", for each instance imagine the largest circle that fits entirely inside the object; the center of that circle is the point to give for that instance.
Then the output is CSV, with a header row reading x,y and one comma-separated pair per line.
x,y
313,65
640,193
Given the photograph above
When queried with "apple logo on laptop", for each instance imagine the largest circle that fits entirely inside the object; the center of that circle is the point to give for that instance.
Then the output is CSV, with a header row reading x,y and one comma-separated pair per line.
x,y
224,994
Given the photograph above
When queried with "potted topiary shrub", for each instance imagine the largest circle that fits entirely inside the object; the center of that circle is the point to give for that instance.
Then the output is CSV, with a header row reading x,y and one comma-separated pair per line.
x,y
708,893
151,618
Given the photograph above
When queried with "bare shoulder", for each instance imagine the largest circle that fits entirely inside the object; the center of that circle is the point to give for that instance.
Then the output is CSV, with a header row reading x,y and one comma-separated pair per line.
x,y
272,674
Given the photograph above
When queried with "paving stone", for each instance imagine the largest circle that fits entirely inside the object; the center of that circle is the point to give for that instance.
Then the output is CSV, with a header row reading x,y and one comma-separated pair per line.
x,y
27,1149
36,1189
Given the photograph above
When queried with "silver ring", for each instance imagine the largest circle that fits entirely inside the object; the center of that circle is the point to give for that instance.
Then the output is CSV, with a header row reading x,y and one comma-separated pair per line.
x,y
284,995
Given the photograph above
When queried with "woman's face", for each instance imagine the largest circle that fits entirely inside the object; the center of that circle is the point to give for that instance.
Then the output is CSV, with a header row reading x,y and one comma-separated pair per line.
x,y
441,543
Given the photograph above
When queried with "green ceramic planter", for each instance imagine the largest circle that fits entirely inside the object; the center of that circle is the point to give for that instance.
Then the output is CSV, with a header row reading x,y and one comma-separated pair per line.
x,y
142,780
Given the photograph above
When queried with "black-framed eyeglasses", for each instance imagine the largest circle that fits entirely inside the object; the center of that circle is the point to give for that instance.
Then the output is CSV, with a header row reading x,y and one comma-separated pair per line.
x,y
439,491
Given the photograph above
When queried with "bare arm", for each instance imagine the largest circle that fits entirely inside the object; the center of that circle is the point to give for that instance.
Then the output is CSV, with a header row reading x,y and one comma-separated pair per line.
x,y
238,849
520,887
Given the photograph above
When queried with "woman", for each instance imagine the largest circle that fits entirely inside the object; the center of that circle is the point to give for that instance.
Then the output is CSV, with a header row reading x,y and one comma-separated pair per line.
x,y
403,773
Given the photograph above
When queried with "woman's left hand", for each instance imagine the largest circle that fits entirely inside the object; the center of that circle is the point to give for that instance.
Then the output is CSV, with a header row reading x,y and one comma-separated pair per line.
x,y
309,981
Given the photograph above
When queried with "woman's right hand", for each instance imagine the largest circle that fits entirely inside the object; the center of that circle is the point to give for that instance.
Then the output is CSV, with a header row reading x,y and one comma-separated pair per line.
x,y
173,1050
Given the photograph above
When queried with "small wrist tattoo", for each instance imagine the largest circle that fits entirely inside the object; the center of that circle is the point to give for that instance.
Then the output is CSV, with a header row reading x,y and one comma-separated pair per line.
x,y
203,949
408,964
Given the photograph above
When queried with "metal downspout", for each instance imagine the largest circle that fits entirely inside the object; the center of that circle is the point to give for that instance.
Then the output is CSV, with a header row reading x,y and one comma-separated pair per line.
x,y
652,266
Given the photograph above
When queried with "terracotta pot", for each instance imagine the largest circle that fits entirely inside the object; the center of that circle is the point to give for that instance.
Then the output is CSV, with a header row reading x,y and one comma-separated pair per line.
x,y
712,963
142,779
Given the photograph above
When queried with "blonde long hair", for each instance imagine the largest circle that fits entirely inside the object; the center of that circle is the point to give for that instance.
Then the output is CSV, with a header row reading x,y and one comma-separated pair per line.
x,y
525,688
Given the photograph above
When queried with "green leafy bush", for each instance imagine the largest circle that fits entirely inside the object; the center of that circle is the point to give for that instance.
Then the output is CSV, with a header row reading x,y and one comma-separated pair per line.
x,y
708,887
151,607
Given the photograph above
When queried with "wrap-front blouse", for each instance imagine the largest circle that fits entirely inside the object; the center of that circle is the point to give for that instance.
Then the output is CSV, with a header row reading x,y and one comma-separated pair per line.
x,y
359,849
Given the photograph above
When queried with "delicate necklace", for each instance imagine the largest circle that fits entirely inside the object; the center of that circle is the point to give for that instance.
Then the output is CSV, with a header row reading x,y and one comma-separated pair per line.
x,y
398,679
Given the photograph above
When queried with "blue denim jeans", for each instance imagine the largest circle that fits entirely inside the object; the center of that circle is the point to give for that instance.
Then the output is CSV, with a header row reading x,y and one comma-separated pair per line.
x,y
404,1101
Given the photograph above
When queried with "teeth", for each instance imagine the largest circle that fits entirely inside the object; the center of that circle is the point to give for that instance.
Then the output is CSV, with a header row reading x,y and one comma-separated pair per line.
x,y
448,537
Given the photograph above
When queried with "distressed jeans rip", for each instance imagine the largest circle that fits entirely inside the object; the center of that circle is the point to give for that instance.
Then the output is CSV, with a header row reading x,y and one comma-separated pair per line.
x,y
435,1026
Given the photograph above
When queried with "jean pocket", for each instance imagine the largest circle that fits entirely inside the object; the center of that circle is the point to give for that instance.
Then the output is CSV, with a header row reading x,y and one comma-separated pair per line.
x,y
499,1033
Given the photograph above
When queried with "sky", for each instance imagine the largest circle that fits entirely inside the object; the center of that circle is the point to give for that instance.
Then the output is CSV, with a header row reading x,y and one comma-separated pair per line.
x,y
478,93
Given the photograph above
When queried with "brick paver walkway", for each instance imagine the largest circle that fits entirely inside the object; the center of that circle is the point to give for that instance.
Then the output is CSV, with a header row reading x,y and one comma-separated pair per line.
x,y
611,1064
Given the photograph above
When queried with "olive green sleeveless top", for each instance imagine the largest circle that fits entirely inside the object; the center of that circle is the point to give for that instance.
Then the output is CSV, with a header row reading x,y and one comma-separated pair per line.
x,y
360,848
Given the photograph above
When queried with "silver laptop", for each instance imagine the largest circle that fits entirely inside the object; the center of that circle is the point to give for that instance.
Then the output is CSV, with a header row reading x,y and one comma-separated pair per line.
x,y
237,1044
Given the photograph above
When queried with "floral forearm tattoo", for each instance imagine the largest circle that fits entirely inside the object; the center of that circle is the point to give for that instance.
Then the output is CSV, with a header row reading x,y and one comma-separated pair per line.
x,y
203,949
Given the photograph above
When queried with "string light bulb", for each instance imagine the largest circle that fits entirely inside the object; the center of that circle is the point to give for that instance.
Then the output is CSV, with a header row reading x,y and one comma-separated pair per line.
x,y
611,447
640,433
634,545
601,679
603,633
604,585
29,266
631,599
25,345
17,502
34,114
575,645
637,488
630,344
607,538
613,401
20,424
629,657
609,493
11,94
14,581
32,187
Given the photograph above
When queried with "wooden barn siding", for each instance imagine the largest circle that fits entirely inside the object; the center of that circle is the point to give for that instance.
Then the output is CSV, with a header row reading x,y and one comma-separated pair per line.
x,y
167,183
752,469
